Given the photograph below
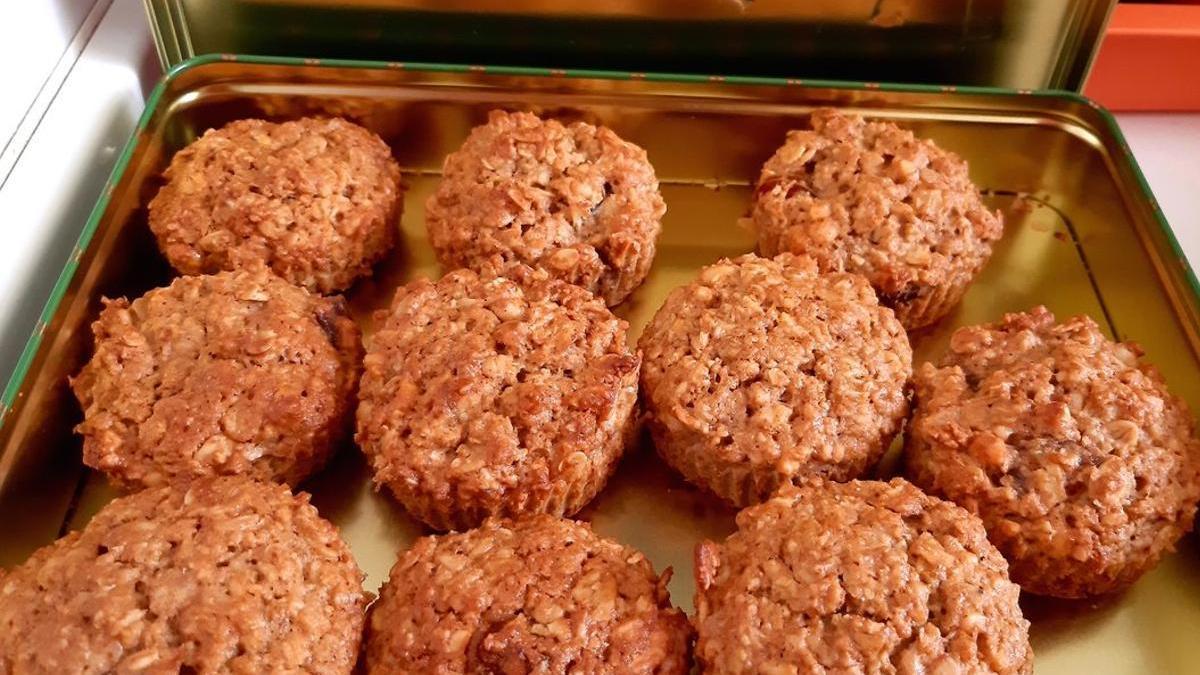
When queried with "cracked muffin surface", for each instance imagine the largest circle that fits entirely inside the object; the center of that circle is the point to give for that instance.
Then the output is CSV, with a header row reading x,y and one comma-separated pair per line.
x,y
575,200
233,373
496,396
542,595
870,197
864,577
1083,467
318,200
762,371
224,575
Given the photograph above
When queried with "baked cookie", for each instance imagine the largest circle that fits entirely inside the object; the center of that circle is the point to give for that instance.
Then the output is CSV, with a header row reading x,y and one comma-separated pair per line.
x,y
761,372
316,200
858,577
542,595
574,200
496,396
224,575
873,199
1083,467
232,373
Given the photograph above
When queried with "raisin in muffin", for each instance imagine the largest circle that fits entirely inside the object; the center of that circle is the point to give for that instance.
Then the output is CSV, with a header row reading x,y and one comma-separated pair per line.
x,y
316,200
864,577
575,200
542,595
224,575
1083,467
871,198
764,371
496,396
232,373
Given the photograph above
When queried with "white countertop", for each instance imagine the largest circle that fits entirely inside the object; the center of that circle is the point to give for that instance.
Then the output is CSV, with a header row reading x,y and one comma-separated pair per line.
x,y
94,62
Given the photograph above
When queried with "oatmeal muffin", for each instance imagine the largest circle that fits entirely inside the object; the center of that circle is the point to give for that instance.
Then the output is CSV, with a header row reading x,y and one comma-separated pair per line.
x,y
317,200
542,595
763,371
225,575
233,373
871,198
1082,466
574,200
858,577
496,396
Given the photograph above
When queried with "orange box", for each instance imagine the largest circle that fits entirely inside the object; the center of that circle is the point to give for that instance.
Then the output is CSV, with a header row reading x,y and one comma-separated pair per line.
x,y
1149,59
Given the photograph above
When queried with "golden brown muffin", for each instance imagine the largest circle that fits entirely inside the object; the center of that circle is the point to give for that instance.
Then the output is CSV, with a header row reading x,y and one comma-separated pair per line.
x,y
496,396
233,373
542,595
763,371
1083,467
873,199
858,577
316,200
225,575
574,200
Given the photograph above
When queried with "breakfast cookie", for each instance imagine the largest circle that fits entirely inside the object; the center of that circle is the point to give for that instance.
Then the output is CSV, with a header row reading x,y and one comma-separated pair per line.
x,y
316,200
575,200
232,373
761,372
496,396
1083,467
542,595
871,198
224,575
858,577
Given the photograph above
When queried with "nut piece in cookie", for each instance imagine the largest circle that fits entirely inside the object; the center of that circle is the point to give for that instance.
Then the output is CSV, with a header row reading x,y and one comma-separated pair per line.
x,y
575,200
1083,467
871,198
490,396
232,373
316,200
862,577
223,575
761,372
541,595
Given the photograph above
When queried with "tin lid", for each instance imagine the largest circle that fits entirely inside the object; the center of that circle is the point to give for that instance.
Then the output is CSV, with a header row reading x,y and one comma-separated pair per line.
x,y
1031,44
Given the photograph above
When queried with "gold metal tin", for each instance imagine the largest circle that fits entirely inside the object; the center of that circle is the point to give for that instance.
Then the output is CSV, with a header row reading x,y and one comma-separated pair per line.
x,y
1021,43
1083,236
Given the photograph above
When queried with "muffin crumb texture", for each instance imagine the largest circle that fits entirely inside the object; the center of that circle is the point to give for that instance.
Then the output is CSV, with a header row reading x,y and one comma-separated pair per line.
x,y
224,576
233,373
544,595
575,200
870,197
1083,467
316,200
858,577
496,396
762,371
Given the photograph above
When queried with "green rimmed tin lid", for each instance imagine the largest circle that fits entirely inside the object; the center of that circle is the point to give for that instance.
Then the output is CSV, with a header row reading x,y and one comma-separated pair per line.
x,y
1029,44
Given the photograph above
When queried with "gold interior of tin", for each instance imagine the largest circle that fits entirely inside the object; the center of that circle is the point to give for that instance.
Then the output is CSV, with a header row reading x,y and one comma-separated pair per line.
x,y
1080,238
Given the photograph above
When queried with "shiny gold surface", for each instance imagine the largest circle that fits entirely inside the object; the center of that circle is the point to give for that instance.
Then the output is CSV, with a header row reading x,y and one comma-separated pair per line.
x,y
1080,238
1012,43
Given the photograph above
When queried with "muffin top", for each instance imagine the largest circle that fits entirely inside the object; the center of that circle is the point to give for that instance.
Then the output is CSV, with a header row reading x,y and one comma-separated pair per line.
x,y
857,577
225,575
768,364
494,392
233,373
872,198
316,200
1081,464
542,595
575,200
